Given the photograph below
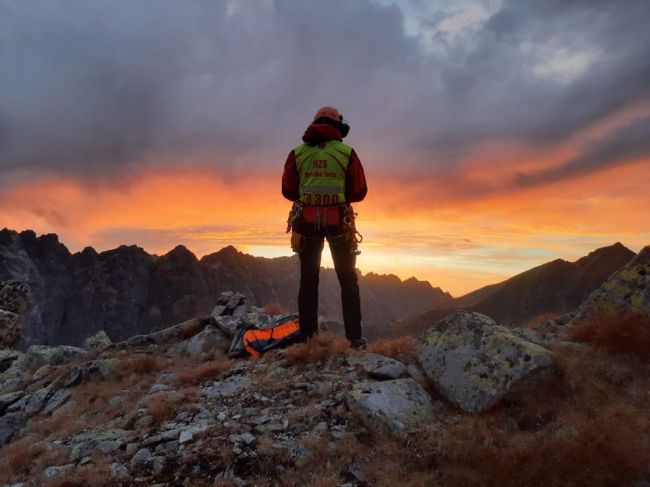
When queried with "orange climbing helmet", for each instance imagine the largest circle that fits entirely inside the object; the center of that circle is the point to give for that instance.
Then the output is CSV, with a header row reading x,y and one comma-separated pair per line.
x,y
329,112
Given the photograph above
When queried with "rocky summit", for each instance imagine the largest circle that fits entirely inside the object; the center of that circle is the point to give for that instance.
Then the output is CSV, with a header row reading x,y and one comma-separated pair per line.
x,y
627,291
174,408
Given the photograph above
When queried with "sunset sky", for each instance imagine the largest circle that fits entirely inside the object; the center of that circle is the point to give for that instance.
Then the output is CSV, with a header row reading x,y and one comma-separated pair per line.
x,y
495,135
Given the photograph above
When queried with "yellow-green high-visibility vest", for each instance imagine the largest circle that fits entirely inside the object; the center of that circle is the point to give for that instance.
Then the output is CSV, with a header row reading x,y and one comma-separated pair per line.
x,y
322,168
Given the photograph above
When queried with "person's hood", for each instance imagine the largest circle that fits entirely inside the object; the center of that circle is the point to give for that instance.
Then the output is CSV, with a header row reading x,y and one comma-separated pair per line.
x,y
320,132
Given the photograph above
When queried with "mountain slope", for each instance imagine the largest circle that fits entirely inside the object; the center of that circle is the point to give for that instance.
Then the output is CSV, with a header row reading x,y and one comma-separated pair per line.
x,y
555,287
126,291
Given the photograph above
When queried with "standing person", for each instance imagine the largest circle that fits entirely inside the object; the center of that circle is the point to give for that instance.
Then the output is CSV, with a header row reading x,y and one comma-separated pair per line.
x,y
322,177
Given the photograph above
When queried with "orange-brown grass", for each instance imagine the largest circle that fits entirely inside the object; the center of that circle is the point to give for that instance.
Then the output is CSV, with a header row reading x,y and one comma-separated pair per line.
x,y
16,457
91,475
616,333
317,349
588,424
275,309
319,469
394,347
268,452
140,364
62,422
164,405
56,455
195,374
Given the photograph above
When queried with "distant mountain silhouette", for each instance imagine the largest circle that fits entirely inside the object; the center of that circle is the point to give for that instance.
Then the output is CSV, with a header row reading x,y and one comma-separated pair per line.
x,y
126,291
555,288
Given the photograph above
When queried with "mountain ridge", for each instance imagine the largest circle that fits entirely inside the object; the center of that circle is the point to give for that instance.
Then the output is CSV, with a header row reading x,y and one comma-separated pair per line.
x,y
555,287
127,291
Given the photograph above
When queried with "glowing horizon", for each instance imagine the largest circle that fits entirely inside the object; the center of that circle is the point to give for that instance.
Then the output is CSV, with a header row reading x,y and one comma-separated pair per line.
x,y
496,135
458,246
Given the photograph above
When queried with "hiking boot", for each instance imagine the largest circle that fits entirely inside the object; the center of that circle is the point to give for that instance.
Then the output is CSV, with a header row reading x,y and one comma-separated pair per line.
x,y
359,343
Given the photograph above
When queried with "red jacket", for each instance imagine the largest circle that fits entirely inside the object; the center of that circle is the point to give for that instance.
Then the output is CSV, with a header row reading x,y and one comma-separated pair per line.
x,y
355,179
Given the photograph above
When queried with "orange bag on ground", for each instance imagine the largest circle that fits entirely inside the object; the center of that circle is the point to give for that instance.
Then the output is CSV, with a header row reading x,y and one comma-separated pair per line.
x,y
257,341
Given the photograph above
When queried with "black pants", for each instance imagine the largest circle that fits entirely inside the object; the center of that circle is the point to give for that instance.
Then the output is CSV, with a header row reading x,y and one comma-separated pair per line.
x,y
345,266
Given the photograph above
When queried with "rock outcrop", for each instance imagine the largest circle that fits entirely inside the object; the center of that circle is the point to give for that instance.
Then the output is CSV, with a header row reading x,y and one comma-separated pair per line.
x,y
627,291
126,291
243,407
14,298
398,405
474,362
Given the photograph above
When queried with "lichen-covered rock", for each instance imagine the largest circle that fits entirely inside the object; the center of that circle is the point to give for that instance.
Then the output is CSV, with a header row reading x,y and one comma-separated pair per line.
x,y
99,341
399,405
379,366
182,331
225,387
14,298
56,400
10,425
210,339
39,355
8,399
105,441
474,362
8,358
626,291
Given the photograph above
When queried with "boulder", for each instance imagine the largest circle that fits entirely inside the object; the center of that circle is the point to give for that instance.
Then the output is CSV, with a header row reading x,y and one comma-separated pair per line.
x,y
8,399
626,291
10,426
39,355
8,358
379,366
106,441
399,405
231,385
474,362
56,400
182,331
210,339
99,341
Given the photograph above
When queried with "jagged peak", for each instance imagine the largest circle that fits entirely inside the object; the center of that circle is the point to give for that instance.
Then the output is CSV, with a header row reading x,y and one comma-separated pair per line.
x,y
180,252
615,250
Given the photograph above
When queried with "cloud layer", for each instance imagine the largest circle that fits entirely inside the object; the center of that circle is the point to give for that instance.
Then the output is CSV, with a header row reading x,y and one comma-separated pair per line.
x,y
94,89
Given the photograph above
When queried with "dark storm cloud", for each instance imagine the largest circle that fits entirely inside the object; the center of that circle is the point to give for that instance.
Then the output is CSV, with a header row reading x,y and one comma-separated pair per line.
x,y
621,146
94,88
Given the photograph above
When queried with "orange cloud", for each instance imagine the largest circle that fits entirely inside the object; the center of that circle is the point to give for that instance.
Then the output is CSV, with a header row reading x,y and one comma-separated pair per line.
x,y
420,229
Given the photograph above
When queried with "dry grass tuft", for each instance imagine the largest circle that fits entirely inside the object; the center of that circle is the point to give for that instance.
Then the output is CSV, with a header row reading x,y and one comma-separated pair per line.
x,y
394,347
209,370
616,333
164,405
587,425
18,456
95,475
54,455
275,309
140,364
317,349
62,423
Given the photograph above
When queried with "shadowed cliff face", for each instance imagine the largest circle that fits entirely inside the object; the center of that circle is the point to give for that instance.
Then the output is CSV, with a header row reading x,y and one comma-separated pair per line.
x,y
556,287
126,291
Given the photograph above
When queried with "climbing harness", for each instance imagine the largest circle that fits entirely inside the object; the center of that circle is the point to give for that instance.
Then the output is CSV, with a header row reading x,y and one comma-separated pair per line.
x,y
294,214
349,222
